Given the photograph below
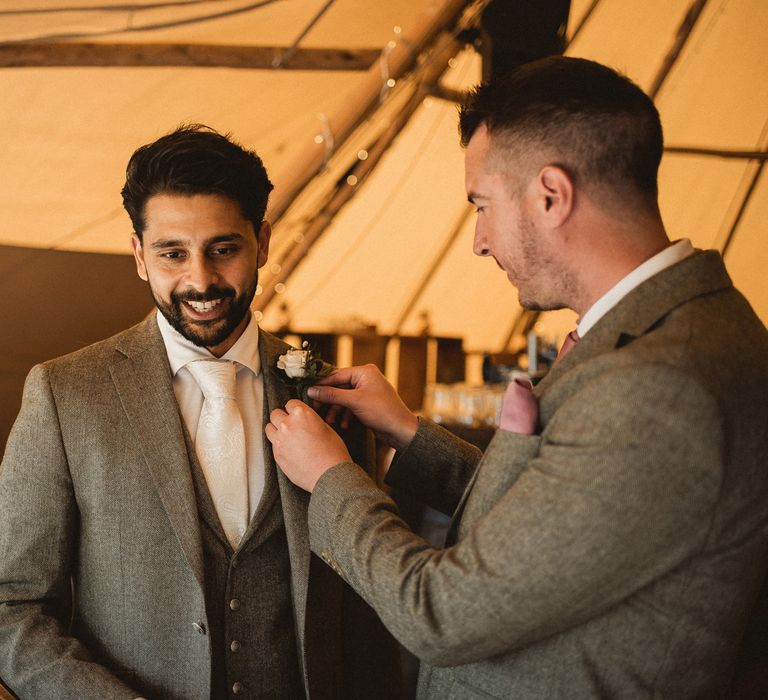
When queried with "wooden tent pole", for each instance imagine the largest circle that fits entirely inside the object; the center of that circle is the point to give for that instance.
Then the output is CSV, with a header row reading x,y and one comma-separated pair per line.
x,y
683,34
396,59
584,20
432,269
447,46
742,208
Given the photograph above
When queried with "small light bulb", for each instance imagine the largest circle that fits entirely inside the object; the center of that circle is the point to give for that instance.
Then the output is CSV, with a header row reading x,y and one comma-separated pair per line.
x,y
352,180
319,138
362,154
279,288
391,82
275,268
259,289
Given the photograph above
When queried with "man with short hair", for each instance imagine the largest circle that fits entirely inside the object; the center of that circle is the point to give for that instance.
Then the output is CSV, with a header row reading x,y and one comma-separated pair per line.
x,y
614,548
148,545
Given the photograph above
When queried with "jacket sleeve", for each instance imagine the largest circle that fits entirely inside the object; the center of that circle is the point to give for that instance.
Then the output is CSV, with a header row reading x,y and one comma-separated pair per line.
x,y
595,513
435,467
38,547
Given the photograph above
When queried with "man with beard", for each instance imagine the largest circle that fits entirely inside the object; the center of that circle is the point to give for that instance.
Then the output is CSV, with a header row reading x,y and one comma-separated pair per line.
x,y
148,545
611,540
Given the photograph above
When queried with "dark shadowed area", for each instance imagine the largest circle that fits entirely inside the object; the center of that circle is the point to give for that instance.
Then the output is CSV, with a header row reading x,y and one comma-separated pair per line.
x,y
57,302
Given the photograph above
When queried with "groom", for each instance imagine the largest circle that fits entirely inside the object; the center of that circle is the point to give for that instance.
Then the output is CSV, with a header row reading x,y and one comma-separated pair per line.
x,y
132,562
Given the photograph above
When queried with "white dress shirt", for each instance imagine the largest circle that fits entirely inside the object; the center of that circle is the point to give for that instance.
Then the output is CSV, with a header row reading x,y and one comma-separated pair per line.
x,y
666,258
249,389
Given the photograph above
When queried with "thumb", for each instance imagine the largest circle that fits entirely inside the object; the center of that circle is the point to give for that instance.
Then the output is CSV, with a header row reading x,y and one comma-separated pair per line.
x,y
329,394
344,376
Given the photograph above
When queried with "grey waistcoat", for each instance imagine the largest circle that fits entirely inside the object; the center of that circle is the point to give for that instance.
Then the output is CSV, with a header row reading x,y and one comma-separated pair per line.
x,y
248,600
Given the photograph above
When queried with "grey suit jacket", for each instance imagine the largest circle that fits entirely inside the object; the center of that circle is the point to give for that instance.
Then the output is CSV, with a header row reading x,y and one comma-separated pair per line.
x,y
95,488
616,553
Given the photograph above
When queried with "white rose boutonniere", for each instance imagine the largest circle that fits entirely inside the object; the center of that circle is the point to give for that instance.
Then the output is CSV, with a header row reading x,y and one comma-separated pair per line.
x,y
294,363
302,368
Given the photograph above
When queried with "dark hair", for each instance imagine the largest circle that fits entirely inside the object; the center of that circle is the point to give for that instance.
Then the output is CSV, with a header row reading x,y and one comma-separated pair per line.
x,y
603,129
195,159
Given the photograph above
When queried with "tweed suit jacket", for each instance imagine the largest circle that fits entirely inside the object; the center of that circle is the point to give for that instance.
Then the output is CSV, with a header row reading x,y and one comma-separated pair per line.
x,y
616,553
101,565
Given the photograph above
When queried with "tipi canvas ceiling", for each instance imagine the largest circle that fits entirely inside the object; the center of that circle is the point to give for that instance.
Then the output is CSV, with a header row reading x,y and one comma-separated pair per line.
x,y
401,244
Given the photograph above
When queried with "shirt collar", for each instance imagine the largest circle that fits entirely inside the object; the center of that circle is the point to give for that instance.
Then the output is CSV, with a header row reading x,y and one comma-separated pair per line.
x,y
182,351
672,254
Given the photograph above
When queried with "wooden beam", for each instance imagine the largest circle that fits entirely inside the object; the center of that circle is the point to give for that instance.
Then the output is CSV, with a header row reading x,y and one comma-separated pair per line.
x,y
761,156
33,55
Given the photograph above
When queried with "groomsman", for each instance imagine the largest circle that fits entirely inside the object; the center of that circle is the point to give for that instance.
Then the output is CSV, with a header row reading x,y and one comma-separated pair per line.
x,y
611,540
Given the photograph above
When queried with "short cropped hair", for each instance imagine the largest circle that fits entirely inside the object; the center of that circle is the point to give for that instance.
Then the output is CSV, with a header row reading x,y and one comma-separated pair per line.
x,y
196,159
598,125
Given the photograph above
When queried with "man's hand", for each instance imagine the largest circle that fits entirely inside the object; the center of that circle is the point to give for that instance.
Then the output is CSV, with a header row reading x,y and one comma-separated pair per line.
x,y
304,446
366,393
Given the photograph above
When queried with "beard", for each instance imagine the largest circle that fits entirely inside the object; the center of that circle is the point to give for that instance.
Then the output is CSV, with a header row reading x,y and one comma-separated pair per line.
x,y
542,284
207,333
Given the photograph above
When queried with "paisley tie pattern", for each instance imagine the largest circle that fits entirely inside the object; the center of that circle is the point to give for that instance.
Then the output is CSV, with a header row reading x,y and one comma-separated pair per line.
x,y
220,445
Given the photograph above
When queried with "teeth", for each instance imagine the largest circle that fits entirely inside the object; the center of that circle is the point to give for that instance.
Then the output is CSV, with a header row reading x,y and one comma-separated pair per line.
x,y
204,305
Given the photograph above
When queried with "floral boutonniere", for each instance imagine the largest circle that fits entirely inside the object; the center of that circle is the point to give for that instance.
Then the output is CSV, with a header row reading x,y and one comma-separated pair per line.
x,y
302,368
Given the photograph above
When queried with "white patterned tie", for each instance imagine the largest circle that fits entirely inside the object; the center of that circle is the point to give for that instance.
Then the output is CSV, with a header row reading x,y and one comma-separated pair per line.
x,y
220,445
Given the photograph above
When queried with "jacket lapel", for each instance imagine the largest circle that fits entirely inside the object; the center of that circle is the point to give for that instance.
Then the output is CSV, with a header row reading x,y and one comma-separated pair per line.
x,y
142,377
644,307
294,501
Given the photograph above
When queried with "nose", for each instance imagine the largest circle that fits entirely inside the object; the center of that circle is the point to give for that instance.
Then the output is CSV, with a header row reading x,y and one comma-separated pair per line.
x,y
201,273
479,246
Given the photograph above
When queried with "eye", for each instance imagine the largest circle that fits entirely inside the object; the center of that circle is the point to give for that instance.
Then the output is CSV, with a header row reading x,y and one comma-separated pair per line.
x,y
172,254
221,251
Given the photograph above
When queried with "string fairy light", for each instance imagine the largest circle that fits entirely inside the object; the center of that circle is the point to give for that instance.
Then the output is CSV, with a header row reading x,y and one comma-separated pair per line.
x,y
326,135
387,81
353,178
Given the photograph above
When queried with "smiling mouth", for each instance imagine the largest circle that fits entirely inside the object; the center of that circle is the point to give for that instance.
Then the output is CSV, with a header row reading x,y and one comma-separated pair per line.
x,y
203,306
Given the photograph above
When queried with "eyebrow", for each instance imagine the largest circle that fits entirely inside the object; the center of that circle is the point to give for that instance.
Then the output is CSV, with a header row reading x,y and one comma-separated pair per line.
x,y
180,242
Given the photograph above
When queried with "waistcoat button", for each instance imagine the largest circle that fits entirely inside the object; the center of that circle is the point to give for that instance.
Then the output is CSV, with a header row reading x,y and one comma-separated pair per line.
x,y
234,604
237,688
235,645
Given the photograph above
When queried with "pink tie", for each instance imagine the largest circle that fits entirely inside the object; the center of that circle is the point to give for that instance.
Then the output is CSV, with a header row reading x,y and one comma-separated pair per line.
x,y
519,409
570,340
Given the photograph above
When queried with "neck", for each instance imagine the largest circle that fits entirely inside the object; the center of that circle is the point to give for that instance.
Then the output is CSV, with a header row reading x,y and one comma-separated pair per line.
x,y
224,346
609,252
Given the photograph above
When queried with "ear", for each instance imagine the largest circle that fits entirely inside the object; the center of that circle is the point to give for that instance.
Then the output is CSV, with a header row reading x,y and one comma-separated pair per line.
x,y
554,195
138,254
265,233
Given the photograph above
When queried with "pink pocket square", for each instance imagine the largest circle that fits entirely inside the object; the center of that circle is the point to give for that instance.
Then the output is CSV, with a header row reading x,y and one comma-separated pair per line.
x,y
519,409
